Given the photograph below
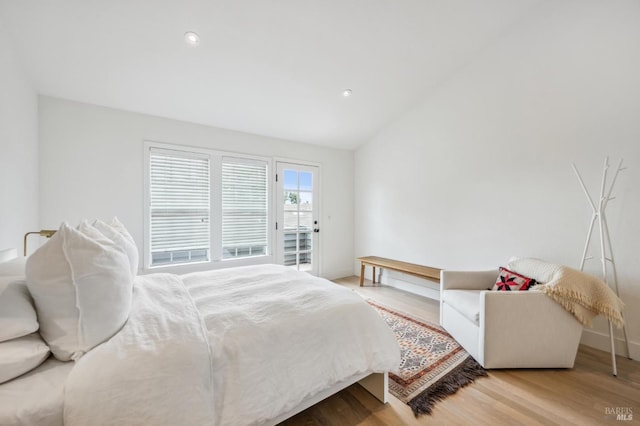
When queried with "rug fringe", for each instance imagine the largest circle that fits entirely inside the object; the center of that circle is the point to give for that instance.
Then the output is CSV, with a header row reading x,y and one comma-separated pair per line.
x,y
462,375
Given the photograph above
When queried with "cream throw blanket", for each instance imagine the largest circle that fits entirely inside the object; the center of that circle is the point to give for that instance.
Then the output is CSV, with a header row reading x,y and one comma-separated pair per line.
x,y
583,295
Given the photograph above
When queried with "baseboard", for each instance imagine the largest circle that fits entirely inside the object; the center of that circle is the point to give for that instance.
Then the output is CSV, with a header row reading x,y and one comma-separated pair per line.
x,y
334,275
405,282
598,340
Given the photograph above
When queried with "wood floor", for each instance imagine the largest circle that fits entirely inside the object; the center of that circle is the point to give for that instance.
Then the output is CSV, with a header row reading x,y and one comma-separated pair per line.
x,y
586,395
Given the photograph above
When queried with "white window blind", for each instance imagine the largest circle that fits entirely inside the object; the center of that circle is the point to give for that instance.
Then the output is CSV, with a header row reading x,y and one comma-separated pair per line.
x,y
244,208
179,208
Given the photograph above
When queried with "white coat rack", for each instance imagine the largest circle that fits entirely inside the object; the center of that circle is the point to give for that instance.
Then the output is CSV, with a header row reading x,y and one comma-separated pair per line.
x,y
606,253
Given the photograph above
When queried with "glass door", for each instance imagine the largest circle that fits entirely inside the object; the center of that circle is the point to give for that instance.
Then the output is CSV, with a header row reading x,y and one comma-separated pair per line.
x,y
297,218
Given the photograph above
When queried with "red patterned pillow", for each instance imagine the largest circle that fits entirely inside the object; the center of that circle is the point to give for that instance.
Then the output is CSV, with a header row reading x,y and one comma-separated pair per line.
x,y
512,281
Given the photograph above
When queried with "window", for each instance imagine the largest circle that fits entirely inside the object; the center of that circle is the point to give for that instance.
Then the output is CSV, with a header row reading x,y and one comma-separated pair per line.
x,y
244,208
179,208
204,206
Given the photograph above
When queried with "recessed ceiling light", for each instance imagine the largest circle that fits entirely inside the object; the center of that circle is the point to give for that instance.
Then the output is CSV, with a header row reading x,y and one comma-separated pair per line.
x,y
347,92
191,38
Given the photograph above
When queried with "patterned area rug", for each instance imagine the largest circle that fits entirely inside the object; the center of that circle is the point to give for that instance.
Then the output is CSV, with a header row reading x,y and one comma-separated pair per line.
x,y
433,365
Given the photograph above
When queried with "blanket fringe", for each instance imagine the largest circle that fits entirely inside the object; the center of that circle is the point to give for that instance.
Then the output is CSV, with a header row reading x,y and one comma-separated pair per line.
x,y
568,297
459,377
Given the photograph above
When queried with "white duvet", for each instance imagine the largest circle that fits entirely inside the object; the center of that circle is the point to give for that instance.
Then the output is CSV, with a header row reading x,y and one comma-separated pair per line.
x,y
155,371
229,347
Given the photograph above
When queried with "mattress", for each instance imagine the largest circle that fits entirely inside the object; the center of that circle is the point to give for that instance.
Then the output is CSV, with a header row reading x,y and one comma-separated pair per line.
x,y
37,397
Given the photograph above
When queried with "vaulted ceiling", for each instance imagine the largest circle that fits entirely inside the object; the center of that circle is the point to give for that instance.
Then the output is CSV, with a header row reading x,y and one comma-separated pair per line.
x,y
270,67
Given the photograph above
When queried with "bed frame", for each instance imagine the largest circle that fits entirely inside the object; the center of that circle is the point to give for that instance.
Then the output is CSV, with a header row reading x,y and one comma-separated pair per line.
x,y
376,383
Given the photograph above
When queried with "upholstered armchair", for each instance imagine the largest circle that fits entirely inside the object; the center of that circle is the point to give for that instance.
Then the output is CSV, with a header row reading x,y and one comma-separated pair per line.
x,y
506,329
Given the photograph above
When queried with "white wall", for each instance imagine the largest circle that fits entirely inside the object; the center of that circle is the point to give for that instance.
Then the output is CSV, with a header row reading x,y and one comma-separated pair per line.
x,y
481,169
18,150
92,166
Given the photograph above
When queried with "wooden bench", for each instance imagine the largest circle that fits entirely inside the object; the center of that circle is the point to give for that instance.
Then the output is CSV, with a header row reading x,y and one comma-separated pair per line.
x,y
396,265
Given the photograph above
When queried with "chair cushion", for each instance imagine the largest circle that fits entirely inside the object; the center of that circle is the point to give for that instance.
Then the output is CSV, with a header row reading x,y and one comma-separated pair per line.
x,y
466,302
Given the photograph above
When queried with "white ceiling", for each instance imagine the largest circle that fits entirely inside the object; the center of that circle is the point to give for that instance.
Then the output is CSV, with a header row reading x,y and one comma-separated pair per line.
x,y
270,67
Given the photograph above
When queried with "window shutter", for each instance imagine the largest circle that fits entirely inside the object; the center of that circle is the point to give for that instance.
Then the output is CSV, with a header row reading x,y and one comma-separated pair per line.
x,y
180,207
244,208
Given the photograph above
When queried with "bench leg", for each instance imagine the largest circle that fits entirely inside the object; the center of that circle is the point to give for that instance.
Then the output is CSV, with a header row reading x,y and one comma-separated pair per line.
x,y
374,275
361,274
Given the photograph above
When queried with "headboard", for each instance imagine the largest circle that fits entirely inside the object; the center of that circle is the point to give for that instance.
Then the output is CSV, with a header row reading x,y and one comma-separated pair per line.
x,y
8,254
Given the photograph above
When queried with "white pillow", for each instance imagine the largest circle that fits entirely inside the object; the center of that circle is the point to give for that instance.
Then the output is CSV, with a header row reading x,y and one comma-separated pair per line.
x,y
17,315
21,355
82,288
13,267
117,233
539,270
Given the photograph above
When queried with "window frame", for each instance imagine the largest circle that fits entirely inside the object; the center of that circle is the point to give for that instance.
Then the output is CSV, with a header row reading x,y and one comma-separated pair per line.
x,y
215,207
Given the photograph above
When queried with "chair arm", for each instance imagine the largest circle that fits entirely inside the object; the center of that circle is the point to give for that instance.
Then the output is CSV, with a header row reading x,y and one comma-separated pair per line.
x,y
500,305
526,328
468,280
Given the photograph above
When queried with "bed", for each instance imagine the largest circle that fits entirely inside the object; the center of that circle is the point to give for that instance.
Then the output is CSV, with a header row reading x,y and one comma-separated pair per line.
x,y
36,397
237,346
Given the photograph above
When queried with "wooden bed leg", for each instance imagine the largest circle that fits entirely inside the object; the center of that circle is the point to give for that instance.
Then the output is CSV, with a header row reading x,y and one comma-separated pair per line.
x,y
377,384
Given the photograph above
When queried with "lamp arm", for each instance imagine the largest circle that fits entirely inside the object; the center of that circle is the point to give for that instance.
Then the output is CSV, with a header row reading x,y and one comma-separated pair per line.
x,y
43,232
